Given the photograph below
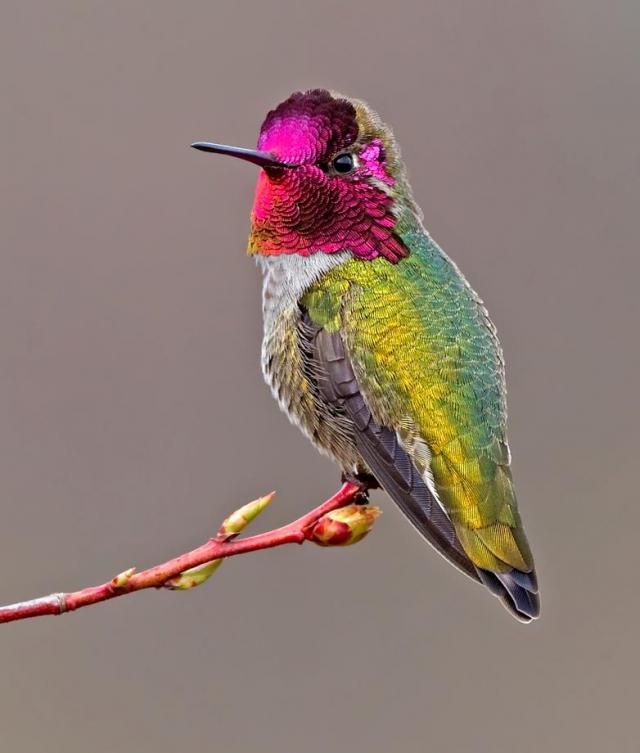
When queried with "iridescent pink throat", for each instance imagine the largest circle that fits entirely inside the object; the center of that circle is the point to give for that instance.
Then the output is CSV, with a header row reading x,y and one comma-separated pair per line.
x,y
306,209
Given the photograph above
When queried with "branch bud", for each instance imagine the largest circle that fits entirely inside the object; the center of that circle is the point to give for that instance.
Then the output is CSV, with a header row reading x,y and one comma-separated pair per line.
x,y
229,529
241,518
122,578
193,577
344,526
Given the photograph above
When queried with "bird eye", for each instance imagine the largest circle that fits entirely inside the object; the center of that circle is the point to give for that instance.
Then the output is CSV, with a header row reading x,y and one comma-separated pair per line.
x,y
343,163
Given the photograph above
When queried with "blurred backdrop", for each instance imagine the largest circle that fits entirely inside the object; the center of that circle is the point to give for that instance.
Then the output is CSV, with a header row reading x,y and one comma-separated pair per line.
x,y
134,416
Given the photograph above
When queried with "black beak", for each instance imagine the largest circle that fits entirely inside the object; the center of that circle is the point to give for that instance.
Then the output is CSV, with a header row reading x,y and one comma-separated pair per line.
x,y
264,159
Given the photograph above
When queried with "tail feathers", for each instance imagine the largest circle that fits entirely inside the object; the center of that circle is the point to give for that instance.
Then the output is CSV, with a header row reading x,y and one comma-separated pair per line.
x,y
517,590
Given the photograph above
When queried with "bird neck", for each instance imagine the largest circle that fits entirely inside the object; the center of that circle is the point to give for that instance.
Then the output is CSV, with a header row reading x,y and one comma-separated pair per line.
x,y
287,277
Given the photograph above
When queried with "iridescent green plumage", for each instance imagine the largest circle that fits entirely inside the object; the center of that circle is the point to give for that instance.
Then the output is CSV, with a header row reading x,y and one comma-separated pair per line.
x,y
429,365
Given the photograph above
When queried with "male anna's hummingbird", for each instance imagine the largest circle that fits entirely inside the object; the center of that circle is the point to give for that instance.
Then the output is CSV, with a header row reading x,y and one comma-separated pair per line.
x,y
374,343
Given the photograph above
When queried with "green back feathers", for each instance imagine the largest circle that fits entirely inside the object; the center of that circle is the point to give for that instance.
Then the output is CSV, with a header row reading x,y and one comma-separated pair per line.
x,y
430,366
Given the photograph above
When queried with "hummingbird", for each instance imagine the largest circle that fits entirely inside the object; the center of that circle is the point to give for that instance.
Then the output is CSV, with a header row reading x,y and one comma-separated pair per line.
x,y
375,345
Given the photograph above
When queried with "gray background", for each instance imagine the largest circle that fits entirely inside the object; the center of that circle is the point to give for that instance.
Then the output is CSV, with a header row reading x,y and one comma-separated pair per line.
x,y
134,417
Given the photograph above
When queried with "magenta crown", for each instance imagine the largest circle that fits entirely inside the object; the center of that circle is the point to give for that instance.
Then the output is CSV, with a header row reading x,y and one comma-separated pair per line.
x,y
309,127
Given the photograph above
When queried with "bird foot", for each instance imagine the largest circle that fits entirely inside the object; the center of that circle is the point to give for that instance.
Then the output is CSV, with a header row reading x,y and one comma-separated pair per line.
x,y
364,481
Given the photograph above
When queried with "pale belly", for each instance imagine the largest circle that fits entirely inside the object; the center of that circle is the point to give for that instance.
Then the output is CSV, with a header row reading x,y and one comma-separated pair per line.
x,y
288,372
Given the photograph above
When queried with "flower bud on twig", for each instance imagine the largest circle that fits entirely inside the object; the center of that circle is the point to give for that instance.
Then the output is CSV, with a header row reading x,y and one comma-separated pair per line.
x,y
193,577
344,526
122,578
229,529
241,518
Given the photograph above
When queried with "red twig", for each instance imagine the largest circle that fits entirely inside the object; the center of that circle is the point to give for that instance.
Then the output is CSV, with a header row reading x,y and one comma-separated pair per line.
x,y
293,533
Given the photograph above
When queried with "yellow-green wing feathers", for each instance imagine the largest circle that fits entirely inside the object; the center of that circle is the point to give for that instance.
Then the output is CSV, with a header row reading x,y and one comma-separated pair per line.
x,y
429,365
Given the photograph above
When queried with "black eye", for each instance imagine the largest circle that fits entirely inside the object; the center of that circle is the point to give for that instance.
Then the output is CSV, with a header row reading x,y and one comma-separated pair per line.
x,y
343,163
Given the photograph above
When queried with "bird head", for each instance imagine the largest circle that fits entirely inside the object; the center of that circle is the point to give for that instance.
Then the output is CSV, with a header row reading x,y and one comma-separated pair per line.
x,y
331,180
